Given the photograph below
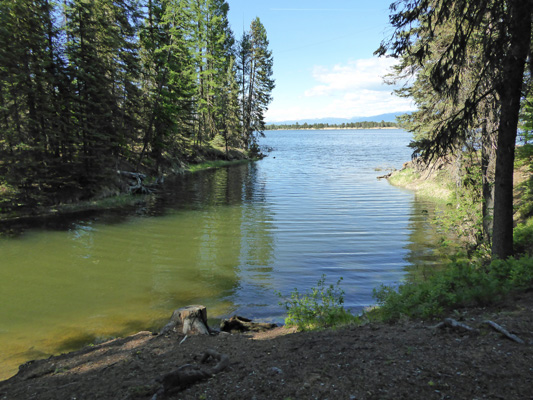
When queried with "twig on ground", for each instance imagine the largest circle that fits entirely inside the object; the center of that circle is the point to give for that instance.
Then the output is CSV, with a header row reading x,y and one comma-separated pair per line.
x,y
504,331
454,324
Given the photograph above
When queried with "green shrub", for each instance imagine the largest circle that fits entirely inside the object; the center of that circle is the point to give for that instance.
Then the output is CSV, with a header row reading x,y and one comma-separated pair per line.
x,y
523,237
322,307
460,284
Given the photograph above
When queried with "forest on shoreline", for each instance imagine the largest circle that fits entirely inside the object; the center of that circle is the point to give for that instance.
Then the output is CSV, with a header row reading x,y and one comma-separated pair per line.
x,y
344,125
92,88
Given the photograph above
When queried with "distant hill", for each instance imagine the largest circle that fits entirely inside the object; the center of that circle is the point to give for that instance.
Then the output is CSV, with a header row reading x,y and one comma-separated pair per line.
x,y
390,117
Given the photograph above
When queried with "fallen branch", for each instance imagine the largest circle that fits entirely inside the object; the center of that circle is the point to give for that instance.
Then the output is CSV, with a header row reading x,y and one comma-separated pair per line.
x,y
241,324
454,324
136,184
386,176
504,331
187,375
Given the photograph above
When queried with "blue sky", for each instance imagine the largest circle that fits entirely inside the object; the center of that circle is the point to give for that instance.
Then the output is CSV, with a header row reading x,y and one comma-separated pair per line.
x,y
323,56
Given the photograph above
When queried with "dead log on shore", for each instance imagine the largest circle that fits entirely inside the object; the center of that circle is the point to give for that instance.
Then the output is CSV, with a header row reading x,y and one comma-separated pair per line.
x,y
241,324
386,176
190,320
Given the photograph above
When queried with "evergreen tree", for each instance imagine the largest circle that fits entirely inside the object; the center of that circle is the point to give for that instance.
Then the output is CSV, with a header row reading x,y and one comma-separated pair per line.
x,y
255,64
29,96
212,42
168,82
229,110
436,110
501,32
104,67
89,87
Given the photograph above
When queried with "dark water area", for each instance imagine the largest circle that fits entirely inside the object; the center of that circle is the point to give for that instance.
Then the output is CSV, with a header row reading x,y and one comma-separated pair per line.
x,y
228,238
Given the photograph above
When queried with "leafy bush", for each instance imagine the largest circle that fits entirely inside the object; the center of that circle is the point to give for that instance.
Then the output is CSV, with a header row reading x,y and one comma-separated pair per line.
x,y
523,237
462,283
321,308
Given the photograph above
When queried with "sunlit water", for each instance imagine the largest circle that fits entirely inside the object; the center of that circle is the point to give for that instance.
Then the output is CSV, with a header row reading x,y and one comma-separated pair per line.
x,y
228,238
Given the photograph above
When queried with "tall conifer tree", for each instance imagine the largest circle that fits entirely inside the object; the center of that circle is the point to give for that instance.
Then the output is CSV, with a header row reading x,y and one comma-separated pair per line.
x,y
255,63
504,32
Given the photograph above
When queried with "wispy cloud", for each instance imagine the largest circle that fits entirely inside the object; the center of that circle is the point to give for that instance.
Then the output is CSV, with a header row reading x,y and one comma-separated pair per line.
x,y
351,89
352,76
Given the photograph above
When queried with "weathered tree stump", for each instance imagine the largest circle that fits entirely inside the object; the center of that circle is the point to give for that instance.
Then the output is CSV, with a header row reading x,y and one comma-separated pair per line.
x,y
190,320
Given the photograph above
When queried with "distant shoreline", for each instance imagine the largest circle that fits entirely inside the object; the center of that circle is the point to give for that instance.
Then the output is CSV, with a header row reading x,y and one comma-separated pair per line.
x,y
331,128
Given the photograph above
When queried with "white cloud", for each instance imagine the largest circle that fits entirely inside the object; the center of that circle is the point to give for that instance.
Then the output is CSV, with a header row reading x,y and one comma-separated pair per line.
x,y
352,89
355,75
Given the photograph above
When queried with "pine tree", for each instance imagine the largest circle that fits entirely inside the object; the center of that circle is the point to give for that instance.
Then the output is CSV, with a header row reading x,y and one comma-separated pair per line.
x,y
255,65
212,41
168,82
29,96
229,110
89,87
500,32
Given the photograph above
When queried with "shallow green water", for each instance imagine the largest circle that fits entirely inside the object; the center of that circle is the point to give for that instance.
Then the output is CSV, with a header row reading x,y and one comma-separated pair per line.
x,y
227,239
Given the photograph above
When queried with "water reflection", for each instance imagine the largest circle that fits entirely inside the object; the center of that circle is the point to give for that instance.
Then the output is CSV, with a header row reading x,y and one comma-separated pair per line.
x,y
106,275
426,251
226,238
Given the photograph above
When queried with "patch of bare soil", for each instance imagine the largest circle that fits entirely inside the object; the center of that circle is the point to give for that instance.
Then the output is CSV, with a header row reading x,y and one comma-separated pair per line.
x,y
407,360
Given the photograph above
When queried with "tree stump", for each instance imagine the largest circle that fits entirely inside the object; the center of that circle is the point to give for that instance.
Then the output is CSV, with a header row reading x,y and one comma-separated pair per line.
x,y
190,320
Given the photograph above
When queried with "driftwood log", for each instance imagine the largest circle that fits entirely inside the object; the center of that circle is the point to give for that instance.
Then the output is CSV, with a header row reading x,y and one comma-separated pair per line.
x,y
189,374
241,324
190,320
386,176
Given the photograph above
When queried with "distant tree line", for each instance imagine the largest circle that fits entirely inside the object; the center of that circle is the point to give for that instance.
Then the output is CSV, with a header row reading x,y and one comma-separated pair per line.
x,y
90,87
344,125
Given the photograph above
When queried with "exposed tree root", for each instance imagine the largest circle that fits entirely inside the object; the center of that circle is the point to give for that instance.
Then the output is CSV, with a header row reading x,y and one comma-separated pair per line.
x,y
504,331
456,325
188,374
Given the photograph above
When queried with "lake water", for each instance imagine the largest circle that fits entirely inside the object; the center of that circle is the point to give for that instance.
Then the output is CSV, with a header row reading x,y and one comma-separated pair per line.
x,y
227,238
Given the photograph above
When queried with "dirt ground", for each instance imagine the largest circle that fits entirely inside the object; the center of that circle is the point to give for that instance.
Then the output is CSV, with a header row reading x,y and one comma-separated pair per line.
x,y
406,360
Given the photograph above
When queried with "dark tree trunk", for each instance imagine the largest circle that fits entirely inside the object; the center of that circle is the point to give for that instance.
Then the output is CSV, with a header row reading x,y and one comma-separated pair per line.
x,y
488,159
510,93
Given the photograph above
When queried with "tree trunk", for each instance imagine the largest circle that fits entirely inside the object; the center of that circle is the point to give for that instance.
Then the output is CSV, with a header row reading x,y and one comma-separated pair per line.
x,y
510,93
487,176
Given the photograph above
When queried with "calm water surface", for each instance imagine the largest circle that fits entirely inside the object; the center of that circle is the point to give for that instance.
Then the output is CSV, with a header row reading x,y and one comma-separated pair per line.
x,y
227,238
